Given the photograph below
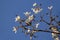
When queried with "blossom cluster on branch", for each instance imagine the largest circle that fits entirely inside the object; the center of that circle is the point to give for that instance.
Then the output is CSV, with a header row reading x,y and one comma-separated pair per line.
x,y
30,24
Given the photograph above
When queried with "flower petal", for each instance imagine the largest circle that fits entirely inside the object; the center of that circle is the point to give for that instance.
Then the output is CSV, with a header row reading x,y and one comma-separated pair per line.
x,y
17,18
34,4
50,7
37,25
14,29
28,30
27,13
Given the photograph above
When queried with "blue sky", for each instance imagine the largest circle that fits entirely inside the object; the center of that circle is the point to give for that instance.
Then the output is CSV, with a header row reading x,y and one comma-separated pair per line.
x,y
8,11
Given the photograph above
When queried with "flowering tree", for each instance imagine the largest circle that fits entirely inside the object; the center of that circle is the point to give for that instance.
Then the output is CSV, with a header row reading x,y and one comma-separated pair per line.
x,y
30,24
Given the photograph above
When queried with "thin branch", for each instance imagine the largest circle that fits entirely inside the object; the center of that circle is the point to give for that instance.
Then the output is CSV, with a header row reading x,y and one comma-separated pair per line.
x,y
47,31
40,30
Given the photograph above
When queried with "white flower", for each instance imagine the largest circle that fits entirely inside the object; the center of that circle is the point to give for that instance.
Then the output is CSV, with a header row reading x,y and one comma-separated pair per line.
x,y
31,17
55,36
27,21
15,29
27,13
54,29
50,7
36,10
28,30
37,25
30,37
17,18
34,4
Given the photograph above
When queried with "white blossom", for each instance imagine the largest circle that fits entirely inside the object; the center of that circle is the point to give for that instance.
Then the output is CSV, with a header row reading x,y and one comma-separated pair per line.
x,y
15,29
30,38
28,30
50,7
36,10
27,21
17,18
37,25
27,13
57,38
31,17
34,4
54,35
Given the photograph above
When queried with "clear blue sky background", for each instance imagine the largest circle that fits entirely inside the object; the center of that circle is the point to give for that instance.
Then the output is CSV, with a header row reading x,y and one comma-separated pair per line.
x,y
8,10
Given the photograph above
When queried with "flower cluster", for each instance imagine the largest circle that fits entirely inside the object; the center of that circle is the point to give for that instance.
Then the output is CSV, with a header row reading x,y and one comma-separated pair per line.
x,y
30,25
54,35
